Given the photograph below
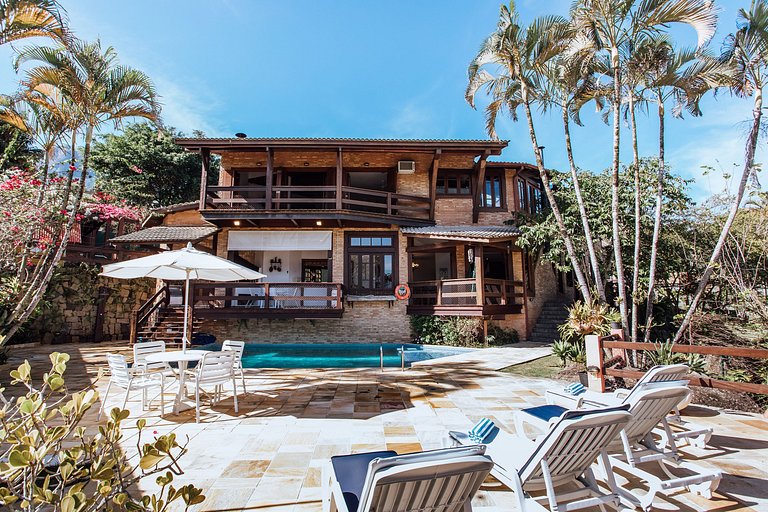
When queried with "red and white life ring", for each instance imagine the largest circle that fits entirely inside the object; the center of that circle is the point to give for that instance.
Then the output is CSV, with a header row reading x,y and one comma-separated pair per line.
x,y
402,291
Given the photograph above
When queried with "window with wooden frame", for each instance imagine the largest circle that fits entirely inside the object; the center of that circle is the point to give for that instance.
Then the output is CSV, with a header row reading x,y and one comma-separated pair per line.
x,y
534,194
522,196
453,183
371,263
492,192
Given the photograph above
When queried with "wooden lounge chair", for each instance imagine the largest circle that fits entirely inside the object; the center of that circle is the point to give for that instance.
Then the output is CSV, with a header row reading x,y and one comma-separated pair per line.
x,y
557,461
439,480
636,447
679,430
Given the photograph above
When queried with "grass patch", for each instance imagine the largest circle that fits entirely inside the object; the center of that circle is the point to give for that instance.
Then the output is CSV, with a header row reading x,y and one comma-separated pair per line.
x,y
546,367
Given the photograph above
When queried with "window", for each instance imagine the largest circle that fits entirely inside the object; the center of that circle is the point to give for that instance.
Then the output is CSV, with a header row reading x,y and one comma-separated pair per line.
x,y
534,192
530,273
453,183
371,263
493,191
314,271
521,196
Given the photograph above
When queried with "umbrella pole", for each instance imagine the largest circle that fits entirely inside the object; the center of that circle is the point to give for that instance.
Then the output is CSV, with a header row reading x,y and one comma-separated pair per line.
x,y
186,315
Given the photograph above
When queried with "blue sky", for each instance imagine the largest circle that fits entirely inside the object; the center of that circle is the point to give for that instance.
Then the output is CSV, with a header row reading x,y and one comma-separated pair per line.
x,y
366,69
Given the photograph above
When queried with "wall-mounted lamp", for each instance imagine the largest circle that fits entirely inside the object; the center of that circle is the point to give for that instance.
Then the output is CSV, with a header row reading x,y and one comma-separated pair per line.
x,y
306,164
366,164
593,371
275,265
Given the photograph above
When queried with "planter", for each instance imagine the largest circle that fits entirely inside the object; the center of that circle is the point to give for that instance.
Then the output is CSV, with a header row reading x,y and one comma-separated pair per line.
x,y
615,325
584,379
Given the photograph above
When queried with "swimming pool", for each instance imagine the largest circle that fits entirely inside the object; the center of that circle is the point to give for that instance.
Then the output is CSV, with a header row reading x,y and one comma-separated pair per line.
x,y
337,355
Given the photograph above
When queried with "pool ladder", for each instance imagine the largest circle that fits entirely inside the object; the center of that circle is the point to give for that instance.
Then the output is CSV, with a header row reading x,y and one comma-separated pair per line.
x,y
402,357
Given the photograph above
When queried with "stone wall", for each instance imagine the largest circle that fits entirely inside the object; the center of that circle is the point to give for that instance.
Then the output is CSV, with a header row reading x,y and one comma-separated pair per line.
x,y
71,306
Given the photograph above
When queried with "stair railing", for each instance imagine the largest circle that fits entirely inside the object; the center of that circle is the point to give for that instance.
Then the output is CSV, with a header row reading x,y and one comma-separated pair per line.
x,y
144,313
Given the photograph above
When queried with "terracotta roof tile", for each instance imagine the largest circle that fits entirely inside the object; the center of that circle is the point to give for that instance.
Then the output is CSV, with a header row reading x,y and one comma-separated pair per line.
x,y
479,232
167,234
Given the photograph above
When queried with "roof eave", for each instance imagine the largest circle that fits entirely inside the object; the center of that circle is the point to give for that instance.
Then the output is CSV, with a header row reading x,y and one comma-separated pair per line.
x,y
196,144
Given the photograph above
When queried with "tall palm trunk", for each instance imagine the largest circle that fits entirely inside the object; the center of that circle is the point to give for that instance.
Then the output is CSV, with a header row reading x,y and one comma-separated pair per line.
x,y
35,292
22,272
580,278
656,225
620,281
749,159
599,286
636,253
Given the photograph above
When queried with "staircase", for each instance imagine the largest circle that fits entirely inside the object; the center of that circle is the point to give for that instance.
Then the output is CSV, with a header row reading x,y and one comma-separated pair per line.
x,y
552,314
169,326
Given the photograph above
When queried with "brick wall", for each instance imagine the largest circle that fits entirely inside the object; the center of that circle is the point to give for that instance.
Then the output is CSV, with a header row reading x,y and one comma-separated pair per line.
x,y
379,321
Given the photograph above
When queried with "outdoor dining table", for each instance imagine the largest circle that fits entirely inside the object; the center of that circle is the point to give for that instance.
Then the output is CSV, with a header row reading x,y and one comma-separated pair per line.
x,y
182,357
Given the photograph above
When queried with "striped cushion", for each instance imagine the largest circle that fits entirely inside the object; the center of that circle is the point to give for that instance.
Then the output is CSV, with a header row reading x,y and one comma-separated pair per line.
x,y
575,389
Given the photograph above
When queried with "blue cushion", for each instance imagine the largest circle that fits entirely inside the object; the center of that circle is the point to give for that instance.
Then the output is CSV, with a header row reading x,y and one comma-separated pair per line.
x,y
351,470
546,412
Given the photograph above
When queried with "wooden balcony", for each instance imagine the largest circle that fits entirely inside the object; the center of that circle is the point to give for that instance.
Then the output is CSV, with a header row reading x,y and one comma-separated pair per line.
x,y
315,202
239,300
459,297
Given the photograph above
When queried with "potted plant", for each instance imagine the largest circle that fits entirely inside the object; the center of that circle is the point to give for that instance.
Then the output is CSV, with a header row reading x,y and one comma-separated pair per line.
x,y
584,318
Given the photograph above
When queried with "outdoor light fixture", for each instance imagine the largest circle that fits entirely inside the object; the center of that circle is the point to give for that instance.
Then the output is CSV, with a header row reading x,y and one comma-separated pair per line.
x,y
593,371
319,223
236,223
240,135
366,164
306,164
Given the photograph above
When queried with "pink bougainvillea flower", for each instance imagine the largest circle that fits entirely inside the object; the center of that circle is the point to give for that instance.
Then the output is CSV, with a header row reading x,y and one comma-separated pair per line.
x,y
137,169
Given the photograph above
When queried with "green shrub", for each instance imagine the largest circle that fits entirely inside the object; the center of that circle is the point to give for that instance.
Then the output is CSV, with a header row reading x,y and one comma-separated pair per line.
x,y
49,462
562,349
497,335
458,331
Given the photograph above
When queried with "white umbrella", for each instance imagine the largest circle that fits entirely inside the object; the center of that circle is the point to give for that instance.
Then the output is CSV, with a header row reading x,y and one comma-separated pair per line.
x,y
183,264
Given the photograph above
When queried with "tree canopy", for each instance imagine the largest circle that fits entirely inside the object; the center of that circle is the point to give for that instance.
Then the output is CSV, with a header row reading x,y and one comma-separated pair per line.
x,y
143,166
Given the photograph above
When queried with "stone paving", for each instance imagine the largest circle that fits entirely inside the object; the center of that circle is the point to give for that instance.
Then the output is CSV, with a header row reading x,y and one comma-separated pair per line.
x,y
269,455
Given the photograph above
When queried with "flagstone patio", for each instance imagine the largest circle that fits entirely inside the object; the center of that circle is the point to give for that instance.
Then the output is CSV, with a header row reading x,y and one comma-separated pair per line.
x,y
269,455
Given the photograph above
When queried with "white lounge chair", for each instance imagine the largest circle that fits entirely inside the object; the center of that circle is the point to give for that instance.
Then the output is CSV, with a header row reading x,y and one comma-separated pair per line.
x,y
131,379
214,370
559,459
680,430
237,348
636,445
439,480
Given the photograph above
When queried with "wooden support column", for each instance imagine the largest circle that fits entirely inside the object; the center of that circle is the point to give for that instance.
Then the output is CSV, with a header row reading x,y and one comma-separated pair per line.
x,y
479,271
433,183
205,156
270,179
339,178
480,186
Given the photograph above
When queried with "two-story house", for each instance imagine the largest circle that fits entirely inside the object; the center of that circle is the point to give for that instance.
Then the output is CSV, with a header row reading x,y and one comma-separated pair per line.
x,y
345,228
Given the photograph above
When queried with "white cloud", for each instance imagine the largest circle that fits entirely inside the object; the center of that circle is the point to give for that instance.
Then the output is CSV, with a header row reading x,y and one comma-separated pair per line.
x,y
183,109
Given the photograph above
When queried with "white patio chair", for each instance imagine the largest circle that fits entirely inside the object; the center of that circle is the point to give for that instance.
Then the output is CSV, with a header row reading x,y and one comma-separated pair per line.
x,y
557,461
636,446
131,379
683,431
439,480
237,347
214,370
143,349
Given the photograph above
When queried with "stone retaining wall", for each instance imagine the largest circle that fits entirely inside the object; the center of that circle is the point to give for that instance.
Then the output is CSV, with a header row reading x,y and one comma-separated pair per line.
x,y
71,305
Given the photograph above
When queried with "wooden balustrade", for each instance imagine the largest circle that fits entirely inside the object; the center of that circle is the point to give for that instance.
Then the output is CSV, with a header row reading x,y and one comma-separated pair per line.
x,y
318,198
463,292
252,299
147,311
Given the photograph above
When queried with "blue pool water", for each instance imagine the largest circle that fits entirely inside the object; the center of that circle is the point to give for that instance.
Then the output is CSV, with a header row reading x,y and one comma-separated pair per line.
x,y
336,355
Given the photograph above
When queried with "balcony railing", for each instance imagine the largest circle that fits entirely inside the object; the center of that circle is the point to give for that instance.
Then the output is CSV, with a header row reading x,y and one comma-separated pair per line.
x,y
252,299
317,198
460,295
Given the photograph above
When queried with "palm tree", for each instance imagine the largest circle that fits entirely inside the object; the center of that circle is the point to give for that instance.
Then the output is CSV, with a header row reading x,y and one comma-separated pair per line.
x,y
100,90
20,19
519,57
574,84
747,52
682,76
610,27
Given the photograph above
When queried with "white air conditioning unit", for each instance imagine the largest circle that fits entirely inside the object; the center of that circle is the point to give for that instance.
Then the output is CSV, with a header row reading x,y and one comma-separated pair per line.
x,y
406,167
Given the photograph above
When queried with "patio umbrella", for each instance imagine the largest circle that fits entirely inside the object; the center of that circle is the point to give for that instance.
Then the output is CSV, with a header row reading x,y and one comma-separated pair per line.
x,y
183,264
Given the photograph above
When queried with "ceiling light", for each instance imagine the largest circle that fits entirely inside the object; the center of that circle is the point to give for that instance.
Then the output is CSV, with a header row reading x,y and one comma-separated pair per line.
x,y
306,164
319,223
366,164
236,223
